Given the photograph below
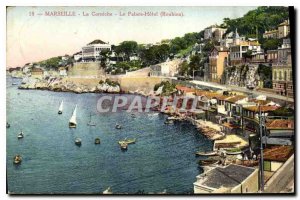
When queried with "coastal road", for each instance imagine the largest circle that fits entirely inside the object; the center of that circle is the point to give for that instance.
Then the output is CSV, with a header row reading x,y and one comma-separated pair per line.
x,y
242,89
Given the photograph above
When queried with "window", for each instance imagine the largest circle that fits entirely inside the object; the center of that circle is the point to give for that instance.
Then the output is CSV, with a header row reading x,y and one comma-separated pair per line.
x,y
280,75
275,75
285,75
291,75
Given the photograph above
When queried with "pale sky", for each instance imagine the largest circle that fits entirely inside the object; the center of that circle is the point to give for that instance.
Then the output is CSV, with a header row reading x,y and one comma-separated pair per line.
x,y
34,38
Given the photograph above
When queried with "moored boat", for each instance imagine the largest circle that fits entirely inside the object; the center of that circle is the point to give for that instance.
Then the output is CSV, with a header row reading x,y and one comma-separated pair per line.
x,y
17,159
7,125
169,122
206,153
20,135
123,145
133,115
208,162
60,109
118,126
127,141
72,122
78,141
233,152
97,141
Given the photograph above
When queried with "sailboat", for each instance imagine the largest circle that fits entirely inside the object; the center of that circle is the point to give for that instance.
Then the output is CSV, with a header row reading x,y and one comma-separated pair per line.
x,y
72,122
90,122
60,107
20,135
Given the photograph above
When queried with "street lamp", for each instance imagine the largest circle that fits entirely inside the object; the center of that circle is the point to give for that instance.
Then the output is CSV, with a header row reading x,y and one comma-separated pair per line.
x,y
261,151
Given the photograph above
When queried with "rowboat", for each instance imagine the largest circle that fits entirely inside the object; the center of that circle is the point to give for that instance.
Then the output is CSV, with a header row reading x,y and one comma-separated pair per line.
x,y
206,153
17,159
127,141
78,141
97,141
123,145
208,162
118,126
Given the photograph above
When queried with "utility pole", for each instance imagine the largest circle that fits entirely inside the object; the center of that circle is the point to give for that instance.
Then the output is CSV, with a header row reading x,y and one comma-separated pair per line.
x,y
261,152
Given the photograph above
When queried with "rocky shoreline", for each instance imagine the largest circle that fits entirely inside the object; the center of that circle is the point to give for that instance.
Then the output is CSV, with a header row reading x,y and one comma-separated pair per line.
x,y
58,85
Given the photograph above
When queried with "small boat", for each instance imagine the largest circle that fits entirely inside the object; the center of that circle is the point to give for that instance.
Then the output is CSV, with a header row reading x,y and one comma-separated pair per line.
x,y
118,126
72,122
127,141
133,115
78,141
206,153
90,122
7,125
107,191
20,135
97,141
14,83
60,109
208,162
169,122
233,153
17,159
123,145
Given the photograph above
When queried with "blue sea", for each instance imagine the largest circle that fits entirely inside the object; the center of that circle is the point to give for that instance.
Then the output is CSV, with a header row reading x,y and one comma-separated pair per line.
x,y
162,159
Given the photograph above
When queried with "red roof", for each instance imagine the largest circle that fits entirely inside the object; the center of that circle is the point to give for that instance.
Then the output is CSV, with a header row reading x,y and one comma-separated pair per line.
x,y
263,108
281,124
184,89
278,153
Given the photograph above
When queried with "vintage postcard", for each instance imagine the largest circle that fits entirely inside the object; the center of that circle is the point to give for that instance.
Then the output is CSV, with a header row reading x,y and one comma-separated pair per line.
x,y
150,100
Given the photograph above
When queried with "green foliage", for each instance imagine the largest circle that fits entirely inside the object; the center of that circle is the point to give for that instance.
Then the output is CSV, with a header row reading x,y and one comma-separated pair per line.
x,y
265,73
167,89
154,54
183,68
51,63
111,83
257,21
122,67
181,43
128,48
284,111
248,54
269,44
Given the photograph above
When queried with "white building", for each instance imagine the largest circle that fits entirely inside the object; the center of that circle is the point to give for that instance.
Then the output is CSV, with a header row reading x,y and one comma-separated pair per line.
x,y
62,71
91,52
167,69
214,32
77,56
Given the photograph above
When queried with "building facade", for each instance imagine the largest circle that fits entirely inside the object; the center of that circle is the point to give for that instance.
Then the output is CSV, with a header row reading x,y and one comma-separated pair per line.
x,y
284,29
91,52
282,72
218,60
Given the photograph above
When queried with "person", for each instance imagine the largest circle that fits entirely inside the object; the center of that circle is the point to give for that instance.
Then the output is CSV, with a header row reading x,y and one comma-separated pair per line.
x,y
254,157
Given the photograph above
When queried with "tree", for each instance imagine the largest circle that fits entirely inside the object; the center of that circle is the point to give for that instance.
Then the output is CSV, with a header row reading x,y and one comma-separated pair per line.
x,y
128,48
269,44
183,68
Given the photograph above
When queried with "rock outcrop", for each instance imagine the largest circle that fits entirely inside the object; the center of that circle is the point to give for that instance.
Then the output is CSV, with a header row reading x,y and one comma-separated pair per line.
x,y
58,85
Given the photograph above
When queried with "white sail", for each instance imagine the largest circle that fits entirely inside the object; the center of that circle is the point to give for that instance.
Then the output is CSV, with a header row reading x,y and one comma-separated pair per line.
x,y
61,106
73,118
